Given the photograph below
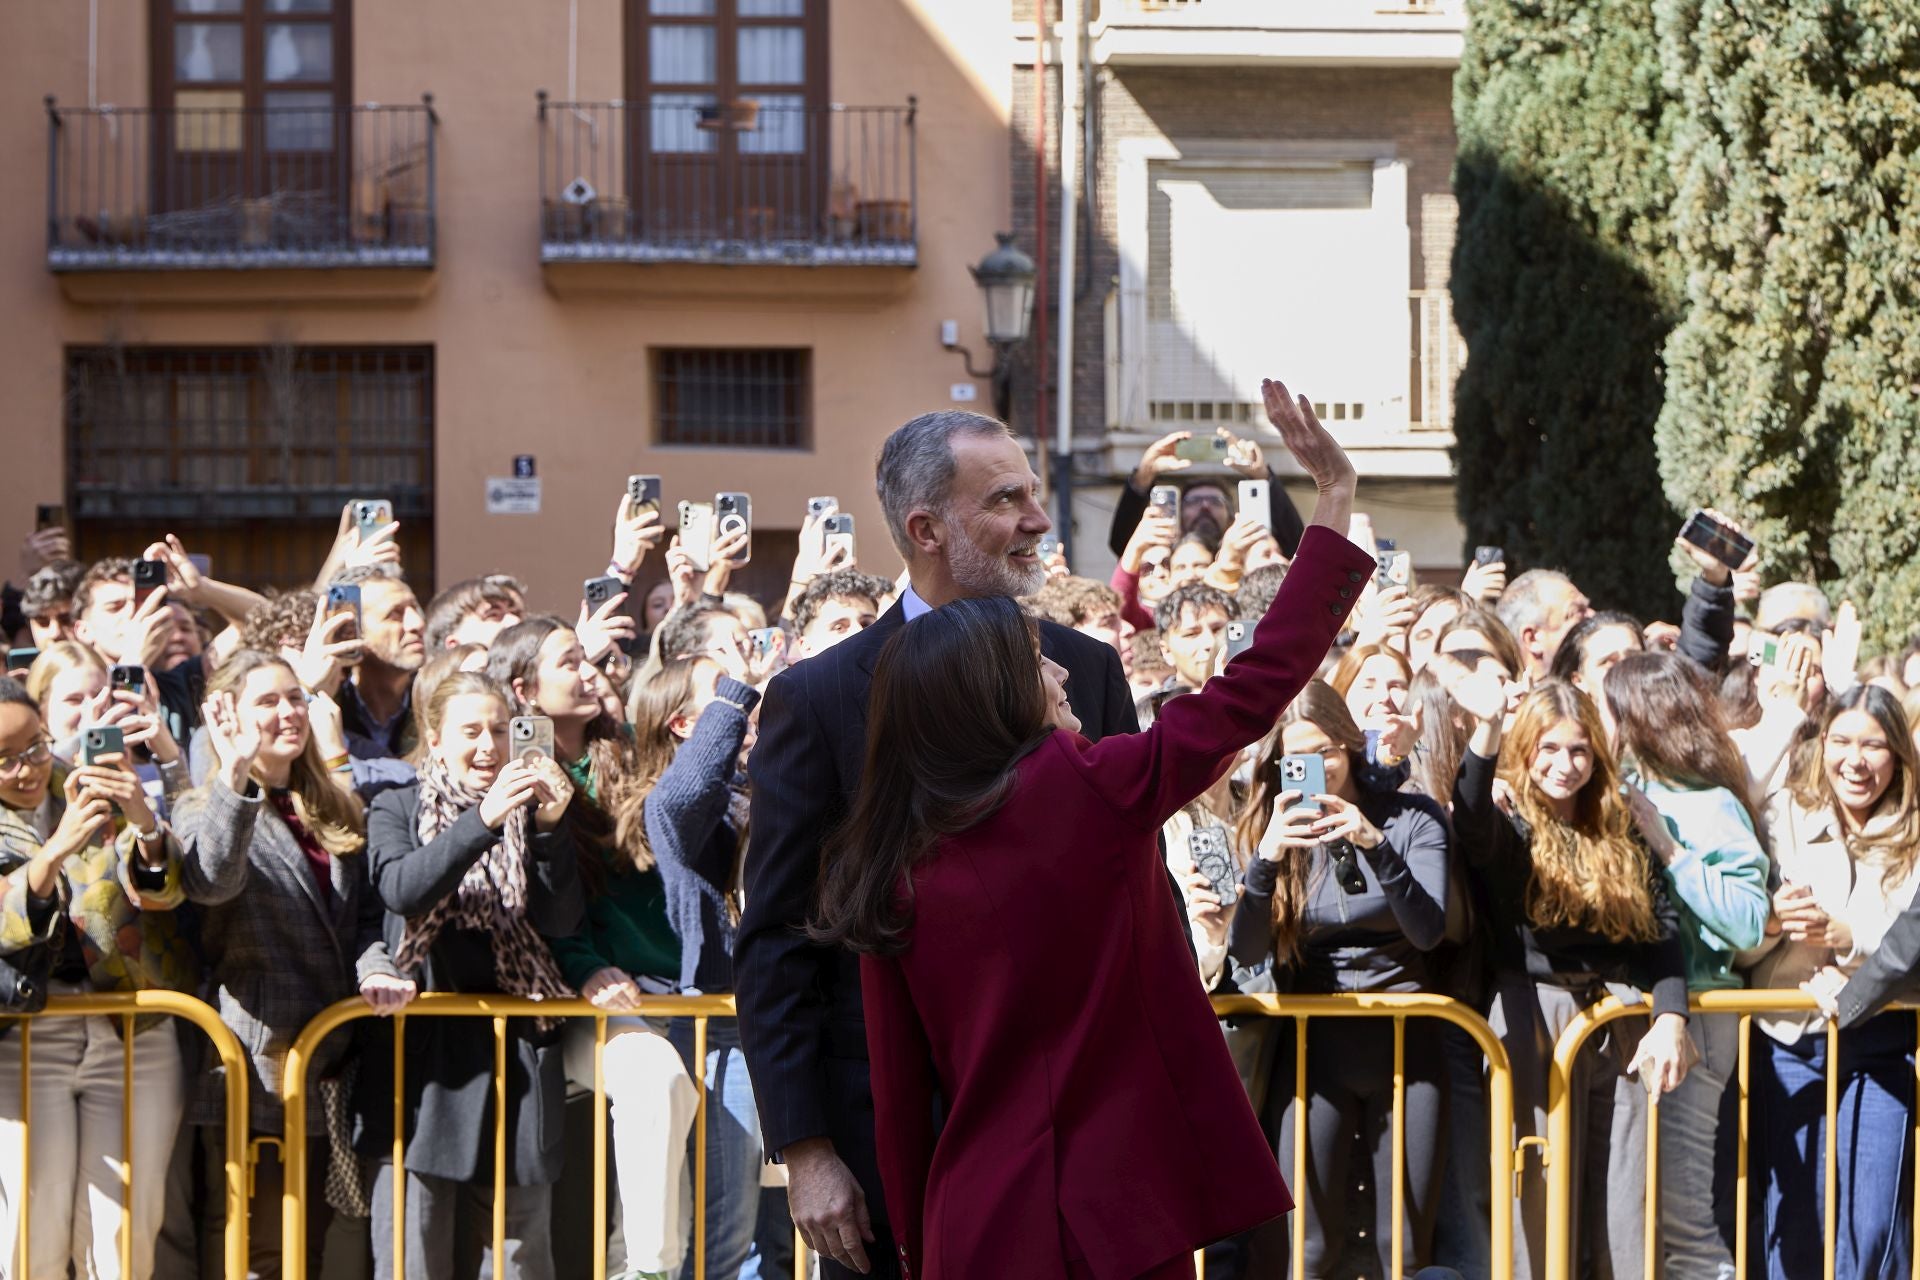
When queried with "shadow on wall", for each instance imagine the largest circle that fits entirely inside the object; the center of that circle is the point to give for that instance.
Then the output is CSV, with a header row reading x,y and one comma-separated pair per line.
x,y
1554,412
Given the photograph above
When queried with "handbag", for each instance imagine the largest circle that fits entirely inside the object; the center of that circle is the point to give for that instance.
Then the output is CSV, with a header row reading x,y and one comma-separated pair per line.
x,y
25,973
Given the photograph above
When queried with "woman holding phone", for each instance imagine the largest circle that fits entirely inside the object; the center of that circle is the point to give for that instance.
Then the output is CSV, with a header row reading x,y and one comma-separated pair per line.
x,y
1347,892
88,871
1577,902
474,862
1094,1121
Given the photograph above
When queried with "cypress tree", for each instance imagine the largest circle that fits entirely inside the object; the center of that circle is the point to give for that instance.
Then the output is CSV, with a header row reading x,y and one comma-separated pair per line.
x,y
1565,289
1793,377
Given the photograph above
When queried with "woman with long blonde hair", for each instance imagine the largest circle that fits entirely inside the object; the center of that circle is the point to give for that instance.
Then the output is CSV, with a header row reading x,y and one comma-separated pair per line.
x,y
1846,843
1346,891
1577,904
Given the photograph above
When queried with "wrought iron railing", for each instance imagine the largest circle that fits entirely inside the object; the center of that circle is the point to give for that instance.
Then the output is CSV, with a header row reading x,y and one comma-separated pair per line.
x,y
183,188
696,181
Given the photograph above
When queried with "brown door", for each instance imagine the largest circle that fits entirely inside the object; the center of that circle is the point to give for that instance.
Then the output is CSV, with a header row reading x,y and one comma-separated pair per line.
x,y
727,143
253,130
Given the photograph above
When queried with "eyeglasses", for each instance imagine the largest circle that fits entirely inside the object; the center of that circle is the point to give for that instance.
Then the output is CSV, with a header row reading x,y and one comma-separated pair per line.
x,y
32,758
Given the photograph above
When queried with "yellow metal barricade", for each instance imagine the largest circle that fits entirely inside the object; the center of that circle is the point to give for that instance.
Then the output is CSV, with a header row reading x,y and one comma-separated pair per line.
x,y
127,1006
299,1098
1561,1245
1302,1009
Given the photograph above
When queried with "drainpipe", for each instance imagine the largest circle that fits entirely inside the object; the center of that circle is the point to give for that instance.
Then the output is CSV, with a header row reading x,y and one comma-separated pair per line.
x,y
1072,105
1040,37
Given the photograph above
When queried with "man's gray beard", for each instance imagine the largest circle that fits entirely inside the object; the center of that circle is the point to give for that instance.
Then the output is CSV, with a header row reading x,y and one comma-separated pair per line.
x,y
977,574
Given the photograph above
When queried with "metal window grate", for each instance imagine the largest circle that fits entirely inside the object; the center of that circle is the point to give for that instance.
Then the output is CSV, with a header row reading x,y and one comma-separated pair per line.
x,y
252,448
733,398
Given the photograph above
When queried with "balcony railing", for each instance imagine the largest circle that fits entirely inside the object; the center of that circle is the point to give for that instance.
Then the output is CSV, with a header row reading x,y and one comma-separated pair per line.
x,y
186,188
739,182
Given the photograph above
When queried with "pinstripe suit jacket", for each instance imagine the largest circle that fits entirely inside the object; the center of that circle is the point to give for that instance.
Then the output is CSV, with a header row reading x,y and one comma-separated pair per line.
x,y
277,951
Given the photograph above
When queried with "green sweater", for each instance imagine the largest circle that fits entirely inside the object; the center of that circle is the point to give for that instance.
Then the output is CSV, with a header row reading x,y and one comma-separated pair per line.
x,y
626,924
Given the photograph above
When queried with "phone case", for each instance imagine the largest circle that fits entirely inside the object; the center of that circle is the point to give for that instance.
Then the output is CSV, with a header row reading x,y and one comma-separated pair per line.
x,y
97,740
645,491
696,533
1305,774
1239,639
1208,848
371,513
530,735
1255,504
1211,448
597,591
731,512
1167,498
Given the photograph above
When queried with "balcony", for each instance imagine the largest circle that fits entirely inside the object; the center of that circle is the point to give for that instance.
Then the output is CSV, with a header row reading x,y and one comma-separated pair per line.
x,y
252,197
1378,33
822,198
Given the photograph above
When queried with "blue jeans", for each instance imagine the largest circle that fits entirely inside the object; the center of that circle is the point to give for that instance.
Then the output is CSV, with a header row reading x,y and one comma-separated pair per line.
x,y
1789,1104
734,1154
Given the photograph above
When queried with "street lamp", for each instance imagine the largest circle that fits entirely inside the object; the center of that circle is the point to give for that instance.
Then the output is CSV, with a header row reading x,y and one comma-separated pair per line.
x,y
1005,277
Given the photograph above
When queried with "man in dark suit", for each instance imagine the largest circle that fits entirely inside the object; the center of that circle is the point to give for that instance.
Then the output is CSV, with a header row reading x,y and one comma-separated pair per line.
x,y
963,507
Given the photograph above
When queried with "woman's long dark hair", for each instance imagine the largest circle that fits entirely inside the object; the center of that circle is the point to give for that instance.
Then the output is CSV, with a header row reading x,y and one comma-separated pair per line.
x,y
956,701
1571,656
1669,721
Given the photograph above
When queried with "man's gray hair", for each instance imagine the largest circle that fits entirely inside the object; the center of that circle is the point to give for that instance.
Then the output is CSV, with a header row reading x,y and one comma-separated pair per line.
x,y
1787,600
916,467
1524,603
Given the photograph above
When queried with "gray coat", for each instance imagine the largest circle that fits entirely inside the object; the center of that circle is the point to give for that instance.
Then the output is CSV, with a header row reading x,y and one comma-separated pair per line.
x,y
277,951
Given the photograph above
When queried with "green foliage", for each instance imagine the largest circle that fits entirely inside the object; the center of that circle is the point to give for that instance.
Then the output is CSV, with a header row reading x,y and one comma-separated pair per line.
x,y
1793,377
1565,287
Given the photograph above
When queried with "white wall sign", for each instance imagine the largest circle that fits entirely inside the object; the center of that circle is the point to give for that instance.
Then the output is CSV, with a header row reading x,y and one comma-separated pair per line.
x,y
512,496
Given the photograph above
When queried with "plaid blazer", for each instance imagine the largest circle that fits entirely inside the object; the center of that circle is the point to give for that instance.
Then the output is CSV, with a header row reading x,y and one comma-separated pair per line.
x,y
277,950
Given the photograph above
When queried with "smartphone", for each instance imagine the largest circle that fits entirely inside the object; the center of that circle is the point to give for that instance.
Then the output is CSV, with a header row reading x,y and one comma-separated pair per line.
x,y
764,639
839,531
1207,846
49,515
369,514
1207,448
344,597
1239,639
1255,505
1484,556
696,532
733,513
1166,499
97,740
597,591
1730,547
148,577
1392,568
1763,650
643,492
817,507
1047,546
21,659
1346,867
1308,776
124,676
530,736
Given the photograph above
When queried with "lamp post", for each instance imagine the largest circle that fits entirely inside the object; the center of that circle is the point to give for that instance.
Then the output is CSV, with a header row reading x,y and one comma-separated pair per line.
x,y
1005,277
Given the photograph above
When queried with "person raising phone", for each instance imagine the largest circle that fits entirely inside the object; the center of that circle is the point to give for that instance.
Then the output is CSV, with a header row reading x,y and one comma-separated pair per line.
x,y
1068,1048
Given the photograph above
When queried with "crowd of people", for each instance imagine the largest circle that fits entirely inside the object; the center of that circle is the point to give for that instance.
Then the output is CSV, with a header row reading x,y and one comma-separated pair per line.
x,y
1491,791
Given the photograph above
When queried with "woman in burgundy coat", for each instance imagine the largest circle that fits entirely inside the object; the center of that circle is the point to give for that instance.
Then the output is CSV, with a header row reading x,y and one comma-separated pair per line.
x,y
1025,974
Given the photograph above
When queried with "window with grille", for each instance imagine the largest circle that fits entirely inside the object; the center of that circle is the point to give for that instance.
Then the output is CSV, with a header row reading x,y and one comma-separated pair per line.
x,y
249,452
733,398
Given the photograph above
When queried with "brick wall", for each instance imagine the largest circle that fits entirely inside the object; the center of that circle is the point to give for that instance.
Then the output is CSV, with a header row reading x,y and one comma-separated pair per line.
x,y
1409,107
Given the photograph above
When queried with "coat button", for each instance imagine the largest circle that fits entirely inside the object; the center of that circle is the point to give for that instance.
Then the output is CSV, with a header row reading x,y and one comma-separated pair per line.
x,y
1346,593
1353,577
1334,609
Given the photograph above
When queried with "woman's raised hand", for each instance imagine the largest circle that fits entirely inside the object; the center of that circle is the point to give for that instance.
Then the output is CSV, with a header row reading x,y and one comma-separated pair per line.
x,y
516,784
235,742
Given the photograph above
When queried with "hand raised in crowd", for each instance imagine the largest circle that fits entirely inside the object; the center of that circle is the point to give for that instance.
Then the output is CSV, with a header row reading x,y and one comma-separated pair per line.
x,y
1317,452
1289,827
113,779
140,721
235,740
1840,649
1245,456
1155,529
1159,459
1481,694
828,1207
1665,1055
1057,566
386,994
683,575
147,632
1241,537
516,784
328,727
1400,730
42,548
88,815
382,546
1485,582
1716,573
720,558
1384,616
553,793
184,578
1652,826
1342,820
329,650
1660,636
637,530
1790,678
612,989
601,631
812,557
1204,907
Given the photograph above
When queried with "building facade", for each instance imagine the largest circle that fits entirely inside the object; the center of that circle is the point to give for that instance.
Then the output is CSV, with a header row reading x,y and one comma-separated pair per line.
x,y
286,253
1267,193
